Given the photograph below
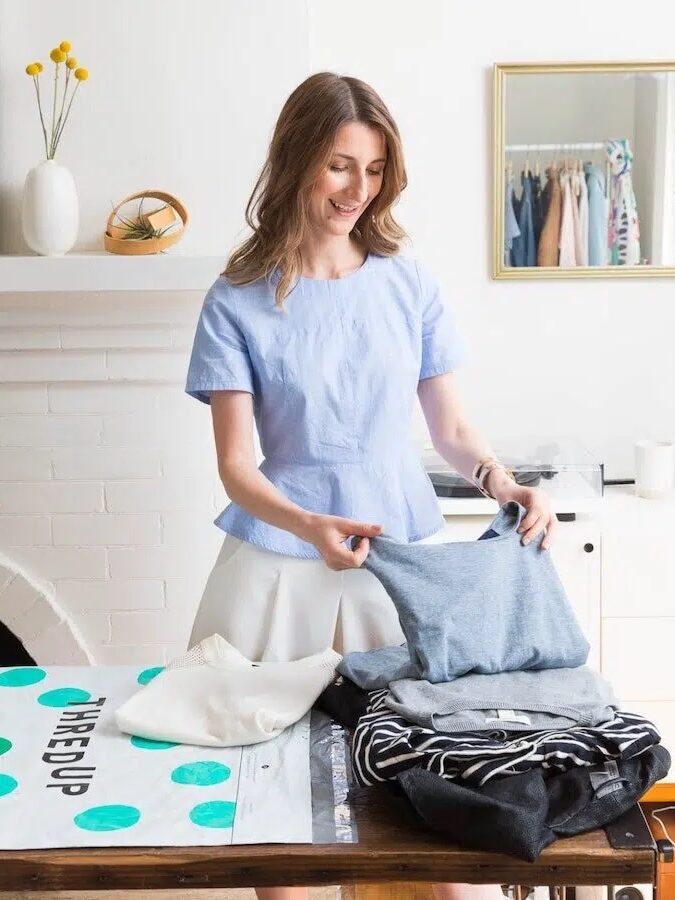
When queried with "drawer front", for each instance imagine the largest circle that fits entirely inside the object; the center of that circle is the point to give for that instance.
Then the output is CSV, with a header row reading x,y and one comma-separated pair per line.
x,y
576,556
638,574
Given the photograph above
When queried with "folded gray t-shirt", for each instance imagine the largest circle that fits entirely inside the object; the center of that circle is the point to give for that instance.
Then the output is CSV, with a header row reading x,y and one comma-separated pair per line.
x,y
509,701
485,606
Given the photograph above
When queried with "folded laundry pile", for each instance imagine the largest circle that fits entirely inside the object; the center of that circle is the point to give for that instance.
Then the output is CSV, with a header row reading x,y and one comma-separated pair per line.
x,y
488,719
214,696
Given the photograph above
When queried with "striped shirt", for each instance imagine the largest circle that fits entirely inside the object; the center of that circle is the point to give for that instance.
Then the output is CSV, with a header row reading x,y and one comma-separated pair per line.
x,y
385,744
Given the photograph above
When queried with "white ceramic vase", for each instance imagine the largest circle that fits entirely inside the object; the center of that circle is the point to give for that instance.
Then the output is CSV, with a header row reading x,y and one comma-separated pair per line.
x,y
50,212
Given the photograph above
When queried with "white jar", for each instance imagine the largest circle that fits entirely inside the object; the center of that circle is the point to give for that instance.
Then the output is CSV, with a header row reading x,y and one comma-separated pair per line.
x,y
50,213
654,468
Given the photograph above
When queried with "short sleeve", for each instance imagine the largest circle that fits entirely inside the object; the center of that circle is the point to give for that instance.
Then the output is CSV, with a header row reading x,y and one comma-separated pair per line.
x,y
443,348
220,359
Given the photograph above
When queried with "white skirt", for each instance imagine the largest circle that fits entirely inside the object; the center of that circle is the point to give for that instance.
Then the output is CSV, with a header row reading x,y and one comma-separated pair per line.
x,y
280,608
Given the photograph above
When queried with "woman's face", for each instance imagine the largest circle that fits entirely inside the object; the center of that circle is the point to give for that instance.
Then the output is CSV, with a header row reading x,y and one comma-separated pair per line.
x,y
353,177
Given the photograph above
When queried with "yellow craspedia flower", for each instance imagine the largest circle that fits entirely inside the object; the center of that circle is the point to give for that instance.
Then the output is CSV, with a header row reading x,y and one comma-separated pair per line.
x,y
81,74
57,55
40,66
65,46
32,69
71,62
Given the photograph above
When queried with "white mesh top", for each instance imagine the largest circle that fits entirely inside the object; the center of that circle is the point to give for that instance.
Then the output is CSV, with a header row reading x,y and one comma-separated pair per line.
x,y
213,696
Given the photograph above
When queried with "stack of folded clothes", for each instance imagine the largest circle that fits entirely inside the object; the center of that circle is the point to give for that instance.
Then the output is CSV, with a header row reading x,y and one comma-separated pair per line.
x,y
488,718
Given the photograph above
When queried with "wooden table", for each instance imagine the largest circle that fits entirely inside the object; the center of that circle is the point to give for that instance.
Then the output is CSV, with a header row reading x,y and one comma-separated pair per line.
x,y
391,850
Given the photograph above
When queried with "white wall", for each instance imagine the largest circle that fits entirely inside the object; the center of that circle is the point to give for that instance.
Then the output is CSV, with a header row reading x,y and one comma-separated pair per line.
x,y
181,96
591,359
108,480
108,485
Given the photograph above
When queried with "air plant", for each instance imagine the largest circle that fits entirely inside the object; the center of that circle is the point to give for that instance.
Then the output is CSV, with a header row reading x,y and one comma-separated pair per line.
x,y
141,228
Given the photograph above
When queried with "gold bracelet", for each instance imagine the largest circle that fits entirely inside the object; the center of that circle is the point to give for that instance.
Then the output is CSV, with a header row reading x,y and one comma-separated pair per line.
x,y
485,475
479,465
485,471
477,474
482,470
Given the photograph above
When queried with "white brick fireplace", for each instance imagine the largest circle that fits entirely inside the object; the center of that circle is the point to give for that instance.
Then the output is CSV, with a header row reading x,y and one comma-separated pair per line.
x,y
108,478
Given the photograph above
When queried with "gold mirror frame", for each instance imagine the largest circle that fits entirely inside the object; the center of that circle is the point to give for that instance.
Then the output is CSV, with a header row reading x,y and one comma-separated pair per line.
x,y
499,270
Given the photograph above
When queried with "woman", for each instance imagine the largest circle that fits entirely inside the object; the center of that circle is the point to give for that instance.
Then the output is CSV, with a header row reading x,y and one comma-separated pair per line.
x,y
323,334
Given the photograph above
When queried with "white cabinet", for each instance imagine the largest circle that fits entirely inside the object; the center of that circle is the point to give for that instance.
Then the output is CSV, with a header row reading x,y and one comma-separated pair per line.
x,y
576,554
638,607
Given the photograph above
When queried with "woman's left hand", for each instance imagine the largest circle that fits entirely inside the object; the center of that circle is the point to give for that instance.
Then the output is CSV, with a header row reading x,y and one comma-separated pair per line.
x,y
539,515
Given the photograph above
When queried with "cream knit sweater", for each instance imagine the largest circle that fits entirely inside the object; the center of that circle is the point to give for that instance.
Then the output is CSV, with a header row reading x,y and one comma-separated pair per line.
x,y
214,696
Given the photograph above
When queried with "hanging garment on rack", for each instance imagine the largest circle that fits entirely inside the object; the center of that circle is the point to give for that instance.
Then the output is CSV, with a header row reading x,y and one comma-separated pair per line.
x,y
537,211
598,215
624,227
575,187
547,252
568,257
518,243
511,229
583,220
518,248
545,199
528,255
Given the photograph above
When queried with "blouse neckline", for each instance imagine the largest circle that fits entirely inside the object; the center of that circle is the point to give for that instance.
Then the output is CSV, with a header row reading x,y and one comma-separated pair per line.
x,y
364,265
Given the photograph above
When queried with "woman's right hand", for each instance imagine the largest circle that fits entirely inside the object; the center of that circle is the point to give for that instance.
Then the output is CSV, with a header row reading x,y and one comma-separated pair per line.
x,y
327,534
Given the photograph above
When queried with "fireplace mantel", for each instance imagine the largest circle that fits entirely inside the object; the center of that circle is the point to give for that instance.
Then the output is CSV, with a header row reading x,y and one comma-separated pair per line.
x,y
98,271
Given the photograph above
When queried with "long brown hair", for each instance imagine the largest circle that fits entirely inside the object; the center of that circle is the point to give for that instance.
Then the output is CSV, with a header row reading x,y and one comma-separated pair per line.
x,y
300,149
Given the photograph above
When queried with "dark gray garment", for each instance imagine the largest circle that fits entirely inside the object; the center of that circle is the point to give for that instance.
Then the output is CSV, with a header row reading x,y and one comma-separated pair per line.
x,y
512,701
522,814
491,605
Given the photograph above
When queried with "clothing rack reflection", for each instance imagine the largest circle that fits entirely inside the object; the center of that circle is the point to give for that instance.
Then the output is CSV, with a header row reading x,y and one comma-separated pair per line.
x,y
580,217
523,148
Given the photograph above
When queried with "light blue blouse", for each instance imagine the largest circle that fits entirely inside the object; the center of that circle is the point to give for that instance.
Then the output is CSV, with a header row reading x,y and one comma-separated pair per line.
x,y
334,383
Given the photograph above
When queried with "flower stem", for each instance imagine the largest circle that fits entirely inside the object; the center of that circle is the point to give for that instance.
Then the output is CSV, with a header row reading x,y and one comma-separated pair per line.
x,y
63,125
42,121
56,85
63,103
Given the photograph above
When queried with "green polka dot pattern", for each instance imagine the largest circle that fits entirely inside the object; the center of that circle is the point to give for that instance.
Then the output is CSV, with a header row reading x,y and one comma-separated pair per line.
x,y
107,818
7,784
148,674
203,773
148,744
63,696
21,677
214,814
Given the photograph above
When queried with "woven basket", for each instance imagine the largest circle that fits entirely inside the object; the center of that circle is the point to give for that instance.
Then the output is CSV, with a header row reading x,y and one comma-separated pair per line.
x,y
113,239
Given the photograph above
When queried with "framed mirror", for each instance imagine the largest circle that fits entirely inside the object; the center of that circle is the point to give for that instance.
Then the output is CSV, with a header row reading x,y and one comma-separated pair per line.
x,y
584,170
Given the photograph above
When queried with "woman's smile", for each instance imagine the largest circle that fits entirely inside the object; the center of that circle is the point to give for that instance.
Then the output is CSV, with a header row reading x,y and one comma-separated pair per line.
x,y
343,209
